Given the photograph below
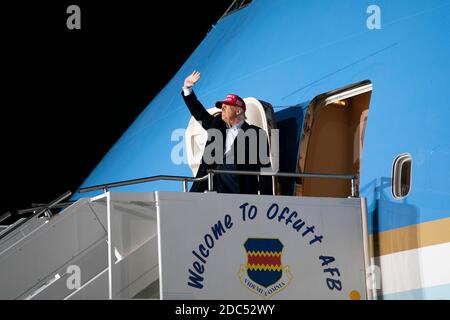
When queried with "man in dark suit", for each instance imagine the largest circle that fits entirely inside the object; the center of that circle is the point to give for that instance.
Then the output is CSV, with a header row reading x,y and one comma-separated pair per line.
x,y
239,151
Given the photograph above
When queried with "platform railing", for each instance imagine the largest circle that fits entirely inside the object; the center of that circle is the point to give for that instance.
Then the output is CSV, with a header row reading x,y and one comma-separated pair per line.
x,y
105,187
210,177
350,177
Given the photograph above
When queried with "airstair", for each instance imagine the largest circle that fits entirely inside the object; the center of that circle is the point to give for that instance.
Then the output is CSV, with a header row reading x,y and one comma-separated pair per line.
x,y
179,245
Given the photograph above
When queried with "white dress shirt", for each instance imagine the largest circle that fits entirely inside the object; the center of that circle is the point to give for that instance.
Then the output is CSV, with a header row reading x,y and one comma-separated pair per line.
x,y
187,91
232,133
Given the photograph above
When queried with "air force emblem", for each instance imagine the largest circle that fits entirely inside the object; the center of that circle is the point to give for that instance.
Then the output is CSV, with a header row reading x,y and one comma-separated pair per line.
x,y
264,273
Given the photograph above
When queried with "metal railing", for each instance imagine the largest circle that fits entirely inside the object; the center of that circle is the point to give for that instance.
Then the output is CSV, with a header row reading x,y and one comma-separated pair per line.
x,y
36,213
107,186
40,206
5,216
210,177
45,209
350,177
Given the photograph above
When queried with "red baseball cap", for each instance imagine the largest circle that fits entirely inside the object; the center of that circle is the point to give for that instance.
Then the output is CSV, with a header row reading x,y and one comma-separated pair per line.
x,y
232,100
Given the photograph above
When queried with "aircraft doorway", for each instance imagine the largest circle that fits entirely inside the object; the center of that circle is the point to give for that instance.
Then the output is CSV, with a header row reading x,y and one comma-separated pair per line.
x,y
332,140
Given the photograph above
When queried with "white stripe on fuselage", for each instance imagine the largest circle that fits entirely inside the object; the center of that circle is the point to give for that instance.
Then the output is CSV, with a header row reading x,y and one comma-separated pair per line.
x,y
415,269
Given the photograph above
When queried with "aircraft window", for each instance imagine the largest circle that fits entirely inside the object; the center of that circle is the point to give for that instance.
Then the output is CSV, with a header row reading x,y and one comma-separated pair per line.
x,y
401,178
236,5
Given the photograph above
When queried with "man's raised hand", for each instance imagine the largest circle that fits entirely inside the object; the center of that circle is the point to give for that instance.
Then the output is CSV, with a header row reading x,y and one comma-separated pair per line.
x,y
191,79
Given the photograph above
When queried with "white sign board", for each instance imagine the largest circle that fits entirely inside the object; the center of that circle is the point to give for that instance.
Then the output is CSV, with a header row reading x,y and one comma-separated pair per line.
x,y
224,246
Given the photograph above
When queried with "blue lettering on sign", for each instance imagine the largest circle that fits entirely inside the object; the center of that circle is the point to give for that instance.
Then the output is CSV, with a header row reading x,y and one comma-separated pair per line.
x,y
285,216
217,231
332,283
276,213
251,213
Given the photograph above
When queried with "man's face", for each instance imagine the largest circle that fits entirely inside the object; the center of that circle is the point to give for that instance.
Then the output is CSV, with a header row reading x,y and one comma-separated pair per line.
x,y
229,113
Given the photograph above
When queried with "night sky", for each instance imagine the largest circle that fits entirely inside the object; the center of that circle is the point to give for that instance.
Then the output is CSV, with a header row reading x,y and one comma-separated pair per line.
x,y
68,95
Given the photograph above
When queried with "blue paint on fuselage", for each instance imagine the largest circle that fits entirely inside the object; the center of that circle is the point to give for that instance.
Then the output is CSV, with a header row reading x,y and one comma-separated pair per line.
x,y
287,52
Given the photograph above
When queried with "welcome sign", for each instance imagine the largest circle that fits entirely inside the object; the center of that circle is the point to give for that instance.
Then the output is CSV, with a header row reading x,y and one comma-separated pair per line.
x,y
223,246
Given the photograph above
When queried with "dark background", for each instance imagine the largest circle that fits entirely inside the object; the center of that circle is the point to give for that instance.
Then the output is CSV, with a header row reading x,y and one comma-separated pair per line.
x,y
58,85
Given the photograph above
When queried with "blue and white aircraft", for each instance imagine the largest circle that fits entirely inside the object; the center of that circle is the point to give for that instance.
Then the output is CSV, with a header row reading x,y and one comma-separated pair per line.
x,y
356,87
